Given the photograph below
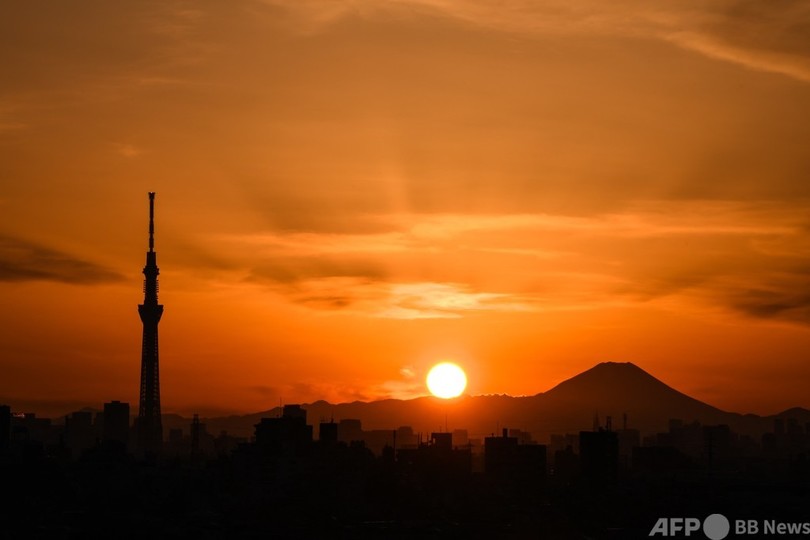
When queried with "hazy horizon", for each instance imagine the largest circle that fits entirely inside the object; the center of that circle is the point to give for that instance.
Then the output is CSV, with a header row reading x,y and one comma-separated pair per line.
x,y
451,402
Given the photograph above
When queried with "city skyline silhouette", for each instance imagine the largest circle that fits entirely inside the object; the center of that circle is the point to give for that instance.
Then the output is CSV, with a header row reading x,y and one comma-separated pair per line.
x,y
290,479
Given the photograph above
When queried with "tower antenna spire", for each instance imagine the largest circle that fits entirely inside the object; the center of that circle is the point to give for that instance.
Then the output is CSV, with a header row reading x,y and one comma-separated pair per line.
x,y
151,221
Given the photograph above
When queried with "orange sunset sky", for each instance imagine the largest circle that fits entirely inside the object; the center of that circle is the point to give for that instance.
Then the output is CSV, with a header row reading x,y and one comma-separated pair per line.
x,y
351,191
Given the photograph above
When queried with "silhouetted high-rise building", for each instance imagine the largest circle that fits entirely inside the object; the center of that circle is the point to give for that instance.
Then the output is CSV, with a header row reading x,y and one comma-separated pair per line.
x,y
79,433
289,433
294,411
499,454
507,460
442,441
328,433
5,426
195,435
116,422
599,456
350,430
149,428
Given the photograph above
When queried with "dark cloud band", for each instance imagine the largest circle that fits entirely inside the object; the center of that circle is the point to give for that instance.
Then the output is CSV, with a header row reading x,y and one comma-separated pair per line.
x,y
21,260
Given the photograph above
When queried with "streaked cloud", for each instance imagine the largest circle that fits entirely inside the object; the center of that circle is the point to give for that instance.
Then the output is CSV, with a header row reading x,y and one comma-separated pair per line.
x,y
443,300
787,302
397,300
22,260
769,37
435,266
791,65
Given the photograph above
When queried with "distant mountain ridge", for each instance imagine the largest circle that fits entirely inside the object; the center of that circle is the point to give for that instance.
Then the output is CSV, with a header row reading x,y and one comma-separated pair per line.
x,y
608,389
615,389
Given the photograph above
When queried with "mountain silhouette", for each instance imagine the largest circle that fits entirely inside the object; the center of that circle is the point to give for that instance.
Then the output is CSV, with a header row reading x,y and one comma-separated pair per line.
x,y
608,389
618,389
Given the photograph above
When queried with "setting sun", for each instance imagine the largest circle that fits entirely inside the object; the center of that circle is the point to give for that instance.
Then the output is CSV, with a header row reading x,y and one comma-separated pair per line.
x,y
446,380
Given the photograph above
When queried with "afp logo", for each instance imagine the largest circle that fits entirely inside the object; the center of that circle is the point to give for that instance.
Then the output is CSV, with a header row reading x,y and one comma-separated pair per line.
x,y
715,527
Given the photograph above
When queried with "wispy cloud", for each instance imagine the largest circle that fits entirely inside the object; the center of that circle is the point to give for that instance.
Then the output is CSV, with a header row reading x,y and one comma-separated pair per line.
x,y
21,260
775,303
452,265
791,65
444,300
415,232
780,293
379,299
764,36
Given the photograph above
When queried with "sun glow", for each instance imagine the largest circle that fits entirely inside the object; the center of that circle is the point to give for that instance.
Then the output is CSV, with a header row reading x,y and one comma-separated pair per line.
x,y
446,380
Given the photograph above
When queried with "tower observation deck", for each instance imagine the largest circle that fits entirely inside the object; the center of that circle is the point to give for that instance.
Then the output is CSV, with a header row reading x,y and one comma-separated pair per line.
x,y
149,429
